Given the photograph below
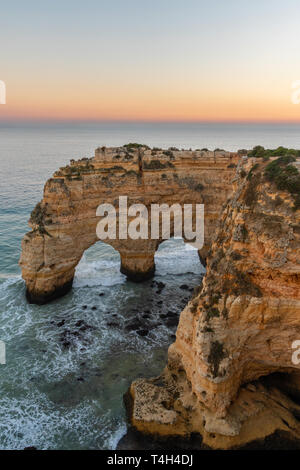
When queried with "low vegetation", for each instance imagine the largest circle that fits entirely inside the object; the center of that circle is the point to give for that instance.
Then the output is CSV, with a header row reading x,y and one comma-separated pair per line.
x,y
260,152
216,355
135,145
157,165
285,176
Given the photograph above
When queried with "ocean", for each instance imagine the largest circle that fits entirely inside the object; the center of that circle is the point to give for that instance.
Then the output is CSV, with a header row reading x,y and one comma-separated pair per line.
x,y
69,395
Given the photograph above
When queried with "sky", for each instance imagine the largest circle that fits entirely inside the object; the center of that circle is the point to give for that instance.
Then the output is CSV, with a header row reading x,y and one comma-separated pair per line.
x,y
158,60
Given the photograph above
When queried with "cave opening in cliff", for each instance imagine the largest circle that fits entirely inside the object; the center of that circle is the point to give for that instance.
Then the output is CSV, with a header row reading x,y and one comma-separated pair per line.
x,y
100,264
176,257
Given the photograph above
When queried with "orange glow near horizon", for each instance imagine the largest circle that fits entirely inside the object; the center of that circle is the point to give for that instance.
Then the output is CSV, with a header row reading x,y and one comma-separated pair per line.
x,y
149,105
130,61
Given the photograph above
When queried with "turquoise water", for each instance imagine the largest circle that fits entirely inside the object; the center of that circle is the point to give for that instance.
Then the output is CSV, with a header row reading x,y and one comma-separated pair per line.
x,y
69,362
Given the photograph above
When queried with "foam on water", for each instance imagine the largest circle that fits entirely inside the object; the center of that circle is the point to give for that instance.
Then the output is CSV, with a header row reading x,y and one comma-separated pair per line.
x,y
177,258
57,397
98,273
36,421
69,396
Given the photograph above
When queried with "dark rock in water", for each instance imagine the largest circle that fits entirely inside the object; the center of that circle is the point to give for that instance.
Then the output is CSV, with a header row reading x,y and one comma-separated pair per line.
x,y
84,307
135,325
160,302
101,294
147,311
146,316
80,379
163,315
142,332
171,314
173,337
83,326
184,287
94,308
133,440
61,323
160,285
173,321
65,339
113,324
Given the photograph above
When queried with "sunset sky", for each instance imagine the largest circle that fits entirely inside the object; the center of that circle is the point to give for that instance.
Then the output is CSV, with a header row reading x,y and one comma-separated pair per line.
x,y
191,60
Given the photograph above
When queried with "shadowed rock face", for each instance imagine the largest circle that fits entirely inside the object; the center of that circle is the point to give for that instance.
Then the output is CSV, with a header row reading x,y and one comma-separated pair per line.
x,y
64,223
239,328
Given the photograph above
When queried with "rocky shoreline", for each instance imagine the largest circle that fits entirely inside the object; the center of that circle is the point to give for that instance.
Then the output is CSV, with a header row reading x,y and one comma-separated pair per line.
x,y
230,380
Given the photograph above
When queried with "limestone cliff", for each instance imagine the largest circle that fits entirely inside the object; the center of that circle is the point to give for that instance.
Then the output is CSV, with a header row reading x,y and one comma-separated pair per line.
x,y
64,223
240,326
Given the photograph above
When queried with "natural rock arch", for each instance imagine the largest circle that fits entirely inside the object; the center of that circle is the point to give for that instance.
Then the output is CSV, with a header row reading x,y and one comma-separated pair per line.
x,y
97,265
64,222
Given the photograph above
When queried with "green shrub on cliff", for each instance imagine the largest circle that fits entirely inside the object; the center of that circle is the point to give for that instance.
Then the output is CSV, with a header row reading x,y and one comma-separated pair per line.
x,y
260,152
216,355
38,214
285,176
169,153
157,165
135,145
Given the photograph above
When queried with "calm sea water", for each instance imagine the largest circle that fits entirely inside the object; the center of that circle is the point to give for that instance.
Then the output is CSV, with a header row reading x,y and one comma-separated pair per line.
x,y
58,396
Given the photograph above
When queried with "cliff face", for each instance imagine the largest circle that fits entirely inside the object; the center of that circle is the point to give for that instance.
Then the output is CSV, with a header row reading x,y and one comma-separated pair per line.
x,y
64,222
238,328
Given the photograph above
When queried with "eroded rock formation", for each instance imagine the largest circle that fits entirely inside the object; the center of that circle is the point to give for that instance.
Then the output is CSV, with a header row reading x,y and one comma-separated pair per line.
x,y
64,223
239,328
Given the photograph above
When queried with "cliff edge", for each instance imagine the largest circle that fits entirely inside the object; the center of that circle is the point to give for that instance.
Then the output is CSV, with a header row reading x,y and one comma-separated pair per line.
x,y
231,375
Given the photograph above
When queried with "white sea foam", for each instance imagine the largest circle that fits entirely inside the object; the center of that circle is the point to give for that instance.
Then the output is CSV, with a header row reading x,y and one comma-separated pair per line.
x,y
112,441
35,421
102,272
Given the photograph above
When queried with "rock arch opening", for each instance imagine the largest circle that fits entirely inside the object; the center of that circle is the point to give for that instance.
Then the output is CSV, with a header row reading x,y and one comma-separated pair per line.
x,y
176,257
99,265
63,224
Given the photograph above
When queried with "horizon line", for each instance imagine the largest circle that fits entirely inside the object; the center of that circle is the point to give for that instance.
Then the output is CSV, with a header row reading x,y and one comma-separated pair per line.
x,y
40,120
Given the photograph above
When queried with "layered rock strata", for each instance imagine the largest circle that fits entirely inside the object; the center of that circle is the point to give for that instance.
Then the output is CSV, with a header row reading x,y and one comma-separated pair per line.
x,y
63,224
240,326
